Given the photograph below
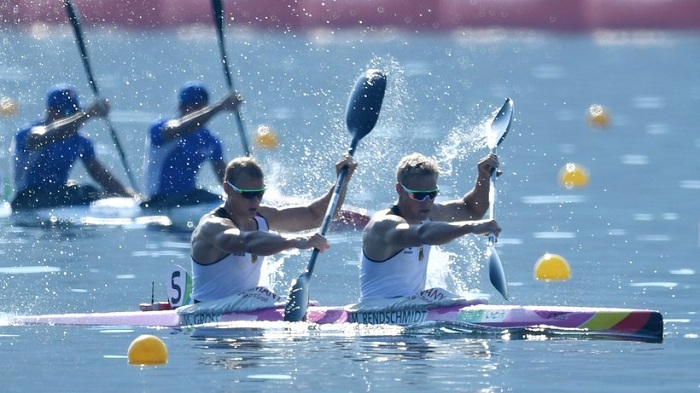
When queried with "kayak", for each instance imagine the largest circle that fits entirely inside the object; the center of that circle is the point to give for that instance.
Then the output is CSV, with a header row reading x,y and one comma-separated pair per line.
x,y
632,324
473,312
127,211
109,211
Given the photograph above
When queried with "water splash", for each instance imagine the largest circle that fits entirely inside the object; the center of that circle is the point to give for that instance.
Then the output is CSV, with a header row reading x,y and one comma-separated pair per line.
x,y
457,272
461,141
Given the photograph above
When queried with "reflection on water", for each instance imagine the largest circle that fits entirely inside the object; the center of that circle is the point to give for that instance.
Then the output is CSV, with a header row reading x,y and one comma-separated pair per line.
x,y
232,353
373,357
241,345
378,355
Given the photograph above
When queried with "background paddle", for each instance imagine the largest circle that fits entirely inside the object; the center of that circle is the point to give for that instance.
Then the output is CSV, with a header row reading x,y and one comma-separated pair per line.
x,y
218,10
75,22
500,125
361,115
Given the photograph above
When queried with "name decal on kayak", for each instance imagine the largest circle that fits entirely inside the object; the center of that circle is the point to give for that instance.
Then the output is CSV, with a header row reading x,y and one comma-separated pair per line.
x,y
198,319
397,317
475,316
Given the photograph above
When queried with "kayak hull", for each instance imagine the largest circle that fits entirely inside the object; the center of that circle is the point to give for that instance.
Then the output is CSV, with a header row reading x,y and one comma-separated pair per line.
x,y
118,211
646,325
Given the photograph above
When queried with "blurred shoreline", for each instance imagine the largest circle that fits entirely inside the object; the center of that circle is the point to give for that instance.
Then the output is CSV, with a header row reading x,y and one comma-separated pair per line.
x,y
411,15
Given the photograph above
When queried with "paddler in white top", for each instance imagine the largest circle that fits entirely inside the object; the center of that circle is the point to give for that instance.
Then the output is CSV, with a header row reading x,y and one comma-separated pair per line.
x,y
229,243
396,242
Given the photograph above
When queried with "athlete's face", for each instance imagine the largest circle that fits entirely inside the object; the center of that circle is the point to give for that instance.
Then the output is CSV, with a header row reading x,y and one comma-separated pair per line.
x,y
246,193
416,196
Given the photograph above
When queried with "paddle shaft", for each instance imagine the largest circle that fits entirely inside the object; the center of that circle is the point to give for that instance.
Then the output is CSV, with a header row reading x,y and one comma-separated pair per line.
x,y
492,197
492,202
75,22
218,9
331,209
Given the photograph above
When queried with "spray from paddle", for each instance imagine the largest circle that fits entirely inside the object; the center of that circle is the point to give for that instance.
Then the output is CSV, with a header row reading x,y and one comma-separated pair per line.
x,y
361,116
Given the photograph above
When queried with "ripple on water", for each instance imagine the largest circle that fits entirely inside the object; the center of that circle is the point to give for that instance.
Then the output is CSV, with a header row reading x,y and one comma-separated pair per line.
x,y
655,284
554,235
617,232
548,71
682,272
690,184
648,102
634,159
29,269
504,240
654,238
657,129
270,376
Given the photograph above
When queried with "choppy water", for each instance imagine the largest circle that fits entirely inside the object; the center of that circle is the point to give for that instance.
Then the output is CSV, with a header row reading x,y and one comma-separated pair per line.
x,y
631,236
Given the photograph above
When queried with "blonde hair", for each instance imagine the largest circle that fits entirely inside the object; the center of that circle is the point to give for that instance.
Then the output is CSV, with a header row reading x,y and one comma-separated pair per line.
x,y
243,165
414,165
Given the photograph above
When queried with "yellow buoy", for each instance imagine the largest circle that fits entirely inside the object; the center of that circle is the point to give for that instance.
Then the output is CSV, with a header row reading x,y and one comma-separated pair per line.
x,y
265,137
147,349
552,267
598,116
573,175
8,107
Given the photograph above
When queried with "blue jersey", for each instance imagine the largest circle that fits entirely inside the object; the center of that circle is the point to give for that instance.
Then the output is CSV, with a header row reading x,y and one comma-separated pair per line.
x,y
171,167
49,165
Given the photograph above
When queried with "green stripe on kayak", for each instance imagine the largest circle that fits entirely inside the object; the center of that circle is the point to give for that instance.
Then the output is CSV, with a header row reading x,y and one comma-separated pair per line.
x,y
606,320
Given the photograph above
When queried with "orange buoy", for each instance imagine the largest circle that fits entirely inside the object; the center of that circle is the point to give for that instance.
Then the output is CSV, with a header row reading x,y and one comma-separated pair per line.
x,y
8,107
266,138
573,175
598,116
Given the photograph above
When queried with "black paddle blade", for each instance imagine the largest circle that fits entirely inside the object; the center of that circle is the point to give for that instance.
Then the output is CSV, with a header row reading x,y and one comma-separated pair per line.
x,y
496,274
219,15
298,301
218,9
500,125
78,30
365,103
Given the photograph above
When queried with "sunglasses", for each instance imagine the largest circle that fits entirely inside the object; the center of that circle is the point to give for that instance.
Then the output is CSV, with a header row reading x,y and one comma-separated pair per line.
x,y
248,194
421,196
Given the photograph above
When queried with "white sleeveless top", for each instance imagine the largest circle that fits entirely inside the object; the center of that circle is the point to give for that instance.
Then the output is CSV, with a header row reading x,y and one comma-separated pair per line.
x,y
232,274
401,275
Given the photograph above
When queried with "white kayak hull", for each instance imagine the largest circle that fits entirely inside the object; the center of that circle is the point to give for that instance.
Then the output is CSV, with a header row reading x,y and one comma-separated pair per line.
x,y
127,211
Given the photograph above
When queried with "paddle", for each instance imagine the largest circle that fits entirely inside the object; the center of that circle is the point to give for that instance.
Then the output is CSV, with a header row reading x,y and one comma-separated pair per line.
x,y
500,125
75,22
218,10
361,115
